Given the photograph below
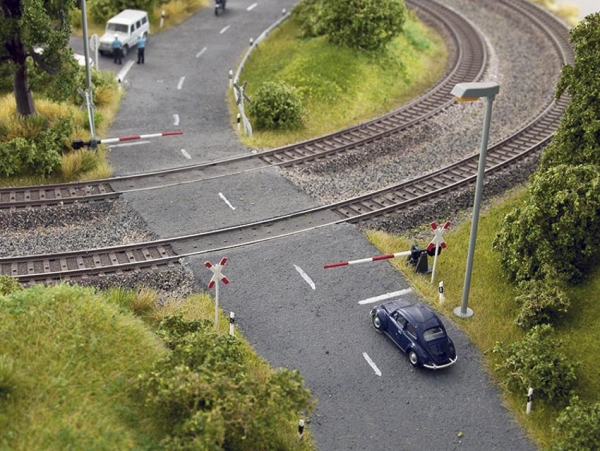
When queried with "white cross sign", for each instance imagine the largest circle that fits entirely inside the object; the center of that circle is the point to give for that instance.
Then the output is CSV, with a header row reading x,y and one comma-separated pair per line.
x,y
217,274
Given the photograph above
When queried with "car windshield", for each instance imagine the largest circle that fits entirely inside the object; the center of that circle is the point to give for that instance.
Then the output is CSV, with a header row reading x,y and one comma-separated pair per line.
x,y
112,27
435,333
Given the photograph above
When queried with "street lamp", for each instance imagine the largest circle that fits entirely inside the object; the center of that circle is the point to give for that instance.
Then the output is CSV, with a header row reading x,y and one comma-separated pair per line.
x,y
468,92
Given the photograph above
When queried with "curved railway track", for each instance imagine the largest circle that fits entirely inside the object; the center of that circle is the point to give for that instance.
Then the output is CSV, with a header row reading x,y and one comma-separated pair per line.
x,y
467,62
525,143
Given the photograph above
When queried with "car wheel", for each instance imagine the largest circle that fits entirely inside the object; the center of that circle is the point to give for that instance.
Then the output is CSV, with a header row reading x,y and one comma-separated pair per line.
x,y
377,324
413,358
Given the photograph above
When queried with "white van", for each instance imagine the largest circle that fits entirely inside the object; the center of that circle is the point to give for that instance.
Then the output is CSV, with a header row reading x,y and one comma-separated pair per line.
x,y
129,25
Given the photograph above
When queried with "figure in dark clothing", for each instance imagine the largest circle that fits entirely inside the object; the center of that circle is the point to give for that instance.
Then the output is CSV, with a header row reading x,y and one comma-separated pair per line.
x,y
117,49
141,47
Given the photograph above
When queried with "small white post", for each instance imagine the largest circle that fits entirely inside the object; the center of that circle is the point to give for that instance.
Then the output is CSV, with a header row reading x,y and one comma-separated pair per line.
x,y
529,400
283,12
239,117
251,42
300,429
162,18
231,322
230,78
441,292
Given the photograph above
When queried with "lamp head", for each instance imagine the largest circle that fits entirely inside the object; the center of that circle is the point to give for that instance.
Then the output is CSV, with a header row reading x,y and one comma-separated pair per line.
x,y
468,92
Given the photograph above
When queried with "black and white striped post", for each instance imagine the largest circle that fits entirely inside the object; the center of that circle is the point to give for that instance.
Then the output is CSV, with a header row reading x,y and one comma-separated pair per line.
x,y
529,400
300,429
441,292
230,78
231,322
162,19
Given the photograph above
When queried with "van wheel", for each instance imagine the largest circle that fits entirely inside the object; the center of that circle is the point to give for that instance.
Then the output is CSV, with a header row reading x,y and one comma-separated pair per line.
x,y
124,51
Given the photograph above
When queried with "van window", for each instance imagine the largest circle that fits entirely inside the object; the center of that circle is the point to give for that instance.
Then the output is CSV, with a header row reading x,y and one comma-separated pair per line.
x,y
132,28
114,27
138,24
144,20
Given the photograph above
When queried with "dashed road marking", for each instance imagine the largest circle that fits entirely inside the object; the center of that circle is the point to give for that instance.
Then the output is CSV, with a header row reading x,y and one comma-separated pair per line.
x,y
176,119
224,29
306,277
180,84
200,52
383,297
251,7
222,196
185,154
370,362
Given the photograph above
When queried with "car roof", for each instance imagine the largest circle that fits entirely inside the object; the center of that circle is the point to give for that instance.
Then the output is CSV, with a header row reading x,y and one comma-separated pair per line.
x,y
128,15
417,314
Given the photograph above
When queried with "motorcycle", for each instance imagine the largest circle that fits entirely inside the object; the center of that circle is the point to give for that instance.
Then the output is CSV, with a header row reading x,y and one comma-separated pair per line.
x,y
219,6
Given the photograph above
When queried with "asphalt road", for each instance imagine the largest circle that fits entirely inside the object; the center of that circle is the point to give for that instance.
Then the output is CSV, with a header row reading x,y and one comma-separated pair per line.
x,y
294,312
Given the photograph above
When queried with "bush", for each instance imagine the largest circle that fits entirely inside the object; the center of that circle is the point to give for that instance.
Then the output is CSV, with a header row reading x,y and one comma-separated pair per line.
x,y
554,232
309,13
276,106
537,362
541,303
363,24
16,156
102,10
8,285
207,398
578,427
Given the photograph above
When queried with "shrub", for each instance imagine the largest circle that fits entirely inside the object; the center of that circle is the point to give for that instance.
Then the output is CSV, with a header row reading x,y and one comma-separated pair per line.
x,y
536,361
8,380
9,284
276,106
578,427
553,233
541,303
309,13
363,24
206,397
76,163
15,156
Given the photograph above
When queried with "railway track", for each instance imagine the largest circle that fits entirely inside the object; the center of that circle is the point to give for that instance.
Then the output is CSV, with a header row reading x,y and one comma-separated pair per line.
x,y
467,62
525,143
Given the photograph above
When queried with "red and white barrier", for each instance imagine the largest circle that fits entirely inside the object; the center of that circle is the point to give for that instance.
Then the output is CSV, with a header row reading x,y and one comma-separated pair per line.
x,y
366,260
134,137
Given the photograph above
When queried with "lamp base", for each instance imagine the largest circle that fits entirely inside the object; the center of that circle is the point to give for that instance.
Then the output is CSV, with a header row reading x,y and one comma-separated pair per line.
x,y
458,312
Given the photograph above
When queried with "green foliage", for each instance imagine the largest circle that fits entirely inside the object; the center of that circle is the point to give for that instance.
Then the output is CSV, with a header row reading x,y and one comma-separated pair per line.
x,y
363,24
102,10
8,380
541,301
554,232
578,427
276,106
9,284
577,140
205,393
309,14
537,361
16,156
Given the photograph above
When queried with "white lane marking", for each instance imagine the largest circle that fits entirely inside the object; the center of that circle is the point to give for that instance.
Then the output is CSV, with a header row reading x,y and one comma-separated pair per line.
x,y
224,29
200,52
222,196
123,72
383,297
180,84
370,362
176,119
305,277
185,154
135,143
251,7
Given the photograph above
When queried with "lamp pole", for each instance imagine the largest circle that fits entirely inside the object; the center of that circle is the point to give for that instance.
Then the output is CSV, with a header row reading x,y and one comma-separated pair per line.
x,y
470,92
86,53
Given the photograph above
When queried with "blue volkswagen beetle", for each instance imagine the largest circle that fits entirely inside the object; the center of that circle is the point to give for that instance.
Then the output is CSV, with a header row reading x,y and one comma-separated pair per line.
x,y
418,331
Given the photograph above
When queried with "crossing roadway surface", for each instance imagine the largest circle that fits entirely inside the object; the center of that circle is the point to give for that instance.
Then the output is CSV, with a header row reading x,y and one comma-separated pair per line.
x,y
295,313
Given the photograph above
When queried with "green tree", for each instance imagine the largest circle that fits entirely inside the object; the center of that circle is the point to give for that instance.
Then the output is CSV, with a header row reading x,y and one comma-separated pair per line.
x,y
363,24
578,138
29,24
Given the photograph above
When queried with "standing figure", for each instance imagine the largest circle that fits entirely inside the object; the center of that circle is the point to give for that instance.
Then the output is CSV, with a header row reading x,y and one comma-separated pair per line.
x,y
141,46
117,46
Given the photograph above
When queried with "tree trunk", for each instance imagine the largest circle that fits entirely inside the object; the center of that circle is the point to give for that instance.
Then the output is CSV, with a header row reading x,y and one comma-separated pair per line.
x,y
23,97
